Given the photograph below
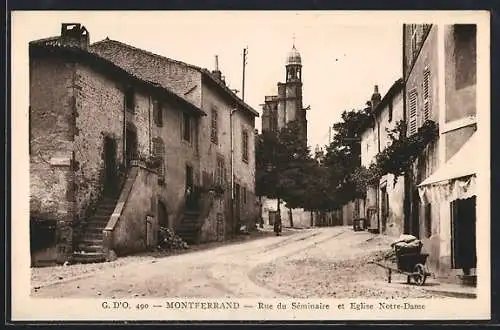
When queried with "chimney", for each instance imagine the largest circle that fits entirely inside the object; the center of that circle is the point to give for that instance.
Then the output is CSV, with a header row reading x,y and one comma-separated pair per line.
x,y
376,98
74,35
216,71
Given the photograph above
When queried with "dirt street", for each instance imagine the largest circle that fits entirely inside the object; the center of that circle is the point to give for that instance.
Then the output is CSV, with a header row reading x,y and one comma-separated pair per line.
x,y
319,262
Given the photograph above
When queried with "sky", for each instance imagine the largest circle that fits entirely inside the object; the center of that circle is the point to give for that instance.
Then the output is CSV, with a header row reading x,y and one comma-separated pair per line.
x,y
343,54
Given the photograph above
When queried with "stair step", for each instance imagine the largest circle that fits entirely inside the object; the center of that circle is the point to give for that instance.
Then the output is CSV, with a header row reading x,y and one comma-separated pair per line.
x,y
90,257
90,241
96,224
103,212
188,229
99,218
93,230
93,235
193,213
91,248
106,208
190,220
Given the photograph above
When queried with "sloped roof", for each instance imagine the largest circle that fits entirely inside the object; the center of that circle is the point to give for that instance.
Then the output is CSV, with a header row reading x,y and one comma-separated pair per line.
x,y
142,66
53,46
51,41
396,87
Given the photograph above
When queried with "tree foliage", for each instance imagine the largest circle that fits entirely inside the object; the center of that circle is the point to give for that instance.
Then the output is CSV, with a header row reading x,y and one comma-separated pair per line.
x,y
398,156
343,156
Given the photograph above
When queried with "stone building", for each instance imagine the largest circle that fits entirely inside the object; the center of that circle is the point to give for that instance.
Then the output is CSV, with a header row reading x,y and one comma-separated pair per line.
x,y
439,70
118,149
383,205
287,106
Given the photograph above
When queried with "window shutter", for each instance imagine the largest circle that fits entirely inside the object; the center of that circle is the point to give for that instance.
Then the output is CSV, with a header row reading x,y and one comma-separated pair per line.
x,y
159,151
214,128
244,145
412,113
426,90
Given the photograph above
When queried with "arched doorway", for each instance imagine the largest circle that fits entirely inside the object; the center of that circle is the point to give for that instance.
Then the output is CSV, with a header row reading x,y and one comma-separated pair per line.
x,y
110,175
130,143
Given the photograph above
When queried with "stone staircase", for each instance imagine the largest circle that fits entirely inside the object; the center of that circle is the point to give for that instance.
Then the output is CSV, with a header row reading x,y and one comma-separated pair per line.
x,y
189,228
89,244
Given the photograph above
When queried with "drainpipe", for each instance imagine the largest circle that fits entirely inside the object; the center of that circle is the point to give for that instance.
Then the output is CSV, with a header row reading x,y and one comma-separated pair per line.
x,y
149,123
232,159
378,183
124,146
406,178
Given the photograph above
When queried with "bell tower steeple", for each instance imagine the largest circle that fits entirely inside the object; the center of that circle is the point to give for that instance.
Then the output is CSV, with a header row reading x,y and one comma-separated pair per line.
x,y
294,65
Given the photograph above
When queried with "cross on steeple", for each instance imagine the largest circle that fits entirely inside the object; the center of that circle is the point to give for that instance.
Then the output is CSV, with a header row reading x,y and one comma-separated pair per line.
x,y
293,37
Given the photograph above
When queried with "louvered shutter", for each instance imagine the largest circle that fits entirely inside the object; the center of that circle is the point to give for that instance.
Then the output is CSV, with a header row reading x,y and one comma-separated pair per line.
x,y
412,113
159,151
426,92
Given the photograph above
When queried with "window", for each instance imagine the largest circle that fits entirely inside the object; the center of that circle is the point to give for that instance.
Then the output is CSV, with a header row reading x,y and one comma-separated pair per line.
x,y
214,134
414,41
157,113
220,170
426,95
390,111
244,193
186,127
412,113
464,36
244,146
159,151
130,99
428,220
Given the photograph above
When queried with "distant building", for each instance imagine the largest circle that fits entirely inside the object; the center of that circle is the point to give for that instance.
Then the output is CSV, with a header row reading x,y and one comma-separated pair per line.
x,y
123,141
287,106
383,205
439,69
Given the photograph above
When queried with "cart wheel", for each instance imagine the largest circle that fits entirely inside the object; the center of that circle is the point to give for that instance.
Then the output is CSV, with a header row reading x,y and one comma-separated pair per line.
x,y
420,274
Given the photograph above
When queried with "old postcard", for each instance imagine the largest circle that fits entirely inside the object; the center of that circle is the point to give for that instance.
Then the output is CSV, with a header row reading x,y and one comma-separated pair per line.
x,y
311,165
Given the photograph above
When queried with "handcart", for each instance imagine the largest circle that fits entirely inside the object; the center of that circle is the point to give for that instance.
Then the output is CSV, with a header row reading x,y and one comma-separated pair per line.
x,y
410,264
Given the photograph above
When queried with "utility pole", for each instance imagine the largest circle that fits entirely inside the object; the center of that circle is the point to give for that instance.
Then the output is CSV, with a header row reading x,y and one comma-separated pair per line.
x,y
245,52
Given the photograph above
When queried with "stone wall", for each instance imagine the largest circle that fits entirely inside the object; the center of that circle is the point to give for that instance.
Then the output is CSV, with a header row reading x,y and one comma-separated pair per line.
x,y
99,106
51,143
136,229
51,138
212,100
244,171
395,214
300,218
178,154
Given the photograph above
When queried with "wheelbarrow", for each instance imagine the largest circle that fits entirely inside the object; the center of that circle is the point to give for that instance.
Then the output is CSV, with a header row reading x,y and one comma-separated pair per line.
x,y
410,264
